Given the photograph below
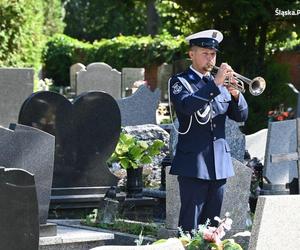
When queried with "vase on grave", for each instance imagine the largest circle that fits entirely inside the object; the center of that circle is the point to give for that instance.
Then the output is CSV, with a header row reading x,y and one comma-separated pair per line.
x,y
134,184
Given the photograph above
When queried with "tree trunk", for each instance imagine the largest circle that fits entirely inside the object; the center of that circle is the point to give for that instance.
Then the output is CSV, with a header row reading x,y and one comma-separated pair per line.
x,y
152,18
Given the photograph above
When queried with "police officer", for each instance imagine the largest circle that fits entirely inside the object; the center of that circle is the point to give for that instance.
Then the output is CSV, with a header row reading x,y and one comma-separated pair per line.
x,y
202,102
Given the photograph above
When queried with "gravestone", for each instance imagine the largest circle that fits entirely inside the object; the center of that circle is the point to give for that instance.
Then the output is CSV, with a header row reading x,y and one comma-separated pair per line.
x,y
32,150
164,72
19,222
256,144
99,77
129,76
236,139
235,199
74,69
139,108
86,133
281,139
236,196
16,85
276,223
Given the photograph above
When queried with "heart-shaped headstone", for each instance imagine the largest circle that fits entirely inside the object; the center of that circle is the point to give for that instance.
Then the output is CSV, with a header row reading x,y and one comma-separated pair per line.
x,y
86,133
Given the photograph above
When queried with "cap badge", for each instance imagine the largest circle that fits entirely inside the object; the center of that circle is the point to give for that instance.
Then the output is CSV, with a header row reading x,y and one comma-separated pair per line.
x,y
214,34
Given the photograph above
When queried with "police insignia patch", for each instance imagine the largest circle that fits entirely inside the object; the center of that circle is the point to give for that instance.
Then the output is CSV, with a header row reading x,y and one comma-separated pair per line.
x,y
176,88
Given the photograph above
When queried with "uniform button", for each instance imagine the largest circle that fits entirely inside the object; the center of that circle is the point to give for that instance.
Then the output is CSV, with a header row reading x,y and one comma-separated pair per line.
x,y
215,138
214,125
211,94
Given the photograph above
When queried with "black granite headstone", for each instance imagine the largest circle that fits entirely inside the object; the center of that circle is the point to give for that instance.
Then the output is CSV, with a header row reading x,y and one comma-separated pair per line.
x,y
30,149
19,221
86,133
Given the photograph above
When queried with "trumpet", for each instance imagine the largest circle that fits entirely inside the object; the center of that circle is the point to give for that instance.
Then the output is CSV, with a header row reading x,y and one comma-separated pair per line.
x,y
256,86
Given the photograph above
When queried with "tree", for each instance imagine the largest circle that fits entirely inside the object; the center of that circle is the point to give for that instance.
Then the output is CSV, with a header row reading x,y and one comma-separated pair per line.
x,y
152,18
53,17
91,20
21,34
248,27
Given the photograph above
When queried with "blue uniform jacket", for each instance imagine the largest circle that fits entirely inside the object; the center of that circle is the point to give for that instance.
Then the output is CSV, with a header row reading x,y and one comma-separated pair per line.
x,y
203,152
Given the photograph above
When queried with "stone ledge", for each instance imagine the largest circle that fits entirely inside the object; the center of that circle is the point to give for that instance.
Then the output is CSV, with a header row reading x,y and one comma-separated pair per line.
x,y
74,238
118,239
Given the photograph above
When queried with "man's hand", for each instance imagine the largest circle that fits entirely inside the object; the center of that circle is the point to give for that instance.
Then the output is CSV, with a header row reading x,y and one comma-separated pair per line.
x,y
234,92
225,71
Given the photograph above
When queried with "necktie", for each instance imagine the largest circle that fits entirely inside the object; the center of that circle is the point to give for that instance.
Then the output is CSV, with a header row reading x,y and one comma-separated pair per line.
x,y
206,79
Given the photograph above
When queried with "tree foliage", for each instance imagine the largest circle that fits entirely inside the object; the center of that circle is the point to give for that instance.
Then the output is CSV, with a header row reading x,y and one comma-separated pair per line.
x,y
248,26
53,17
21,35
24,25
91,20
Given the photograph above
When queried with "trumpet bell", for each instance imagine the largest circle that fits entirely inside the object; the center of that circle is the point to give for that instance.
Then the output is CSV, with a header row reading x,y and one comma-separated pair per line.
x,y
257,86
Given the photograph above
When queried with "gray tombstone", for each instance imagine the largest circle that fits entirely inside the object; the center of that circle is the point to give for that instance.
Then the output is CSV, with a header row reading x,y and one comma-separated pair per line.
x,y
276,223
33,150
101,77
129,76
164,72
74,69
236,139
236,196
16,85
139,108
19,222
281,139
235,200
172,205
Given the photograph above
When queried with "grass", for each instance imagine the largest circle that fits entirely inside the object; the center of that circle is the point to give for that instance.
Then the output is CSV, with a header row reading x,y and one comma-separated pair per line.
x,y
121,225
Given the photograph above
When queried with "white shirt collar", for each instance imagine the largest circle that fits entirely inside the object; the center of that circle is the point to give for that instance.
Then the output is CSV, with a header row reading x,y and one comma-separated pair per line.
x,y
197,72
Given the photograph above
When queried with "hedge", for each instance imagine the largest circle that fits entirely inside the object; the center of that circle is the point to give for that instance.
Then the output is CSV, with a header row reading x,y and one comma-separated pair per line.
x,y
25,24
123,51
21,33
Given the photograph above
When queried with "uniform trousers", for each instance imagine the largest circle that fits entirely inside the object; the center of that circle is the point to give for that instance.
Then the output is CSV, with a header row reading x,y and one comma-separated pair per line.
x,y
200,200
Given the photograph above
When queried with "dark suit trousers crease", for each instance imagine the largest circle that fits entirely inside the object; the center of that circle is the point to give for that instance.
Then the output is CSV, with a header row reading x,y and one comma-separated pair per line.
x,y
200,200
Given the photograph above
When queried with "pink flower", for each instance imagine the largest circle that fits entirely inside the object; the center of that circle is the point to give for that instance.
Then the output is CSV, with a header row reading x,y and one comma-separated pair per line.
x,y
213,234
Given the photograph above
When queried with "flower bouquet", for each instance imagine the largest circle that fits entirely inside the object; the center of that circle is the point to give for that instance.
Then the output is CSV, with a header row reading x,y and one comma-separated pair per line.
x,y
207,237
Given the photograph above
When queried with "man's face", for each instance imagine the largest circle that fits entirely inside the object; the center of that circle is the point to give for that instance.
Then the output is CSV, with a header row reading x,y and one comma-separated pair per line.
x,y
202,58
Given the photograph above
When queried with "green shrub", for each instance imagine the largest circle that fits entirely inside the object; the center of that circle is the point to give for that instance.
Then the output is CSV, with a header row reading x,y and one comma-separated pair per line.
x,y
122,51
21,33
60,53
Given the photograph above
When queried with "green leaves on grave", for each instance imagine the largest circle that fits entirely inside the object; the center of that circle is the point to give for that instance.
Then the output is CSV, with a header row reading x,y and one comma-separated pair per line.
x,y
131,153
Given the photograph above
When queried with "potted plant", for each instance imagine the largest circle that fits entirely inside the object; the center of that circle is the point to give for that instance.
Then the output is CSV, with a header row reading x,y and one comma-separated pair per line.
x,y
131,154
